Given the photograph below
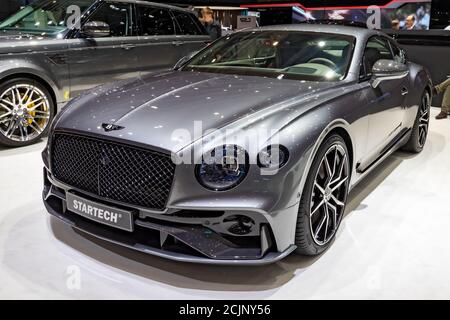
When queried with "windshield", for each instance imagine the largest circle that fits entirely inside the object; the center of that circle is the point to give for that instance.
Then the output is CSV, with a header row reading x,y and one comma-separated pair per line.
x,y
45,17
279,54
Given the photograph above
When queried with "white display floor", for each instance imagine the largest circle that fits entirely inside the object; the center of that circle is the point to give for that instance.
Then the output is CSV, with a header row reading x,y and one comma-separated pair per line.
x,y
393,243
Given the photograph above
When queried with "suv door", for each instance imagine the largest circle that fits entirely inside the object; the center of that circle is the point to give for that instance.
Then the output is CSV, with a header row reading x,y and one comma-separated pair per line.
x,y
386,102
94,61
194,34
159,46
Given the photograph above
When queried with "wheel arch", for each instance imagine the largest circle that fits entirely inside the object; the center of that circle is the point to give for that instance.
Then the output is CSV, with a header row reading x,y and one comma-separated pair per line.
x,y
340,127
429,90
341,131
420,81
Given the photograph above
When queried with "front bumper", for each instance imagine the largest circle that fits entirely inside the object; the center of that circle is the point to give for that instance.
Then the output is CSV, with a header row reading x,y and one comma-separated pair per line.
x,y
184,242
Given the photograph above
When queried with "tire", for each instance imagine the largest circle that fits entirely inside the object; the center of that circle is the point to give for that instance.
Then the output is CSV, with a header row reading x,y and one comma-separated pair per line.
x,y
317,190
26,112
419,132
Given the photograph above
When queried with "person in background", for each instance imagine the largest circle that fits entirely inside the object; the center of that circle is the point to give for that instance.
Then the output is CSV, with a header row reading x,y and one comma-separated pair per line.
x,y
423,17
395,24
213,27
411,23
444,87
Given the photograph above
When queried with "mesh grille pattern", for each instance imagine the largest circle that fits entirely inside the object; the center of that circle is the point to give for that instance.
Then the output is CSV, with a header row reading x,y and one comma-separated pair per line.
x,y
113,171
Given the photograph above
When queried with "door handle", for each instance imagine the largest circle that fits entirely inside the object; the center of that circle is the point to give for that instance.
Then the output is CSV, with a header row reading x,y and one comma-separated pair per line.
x,y
404,91
128,46
177,43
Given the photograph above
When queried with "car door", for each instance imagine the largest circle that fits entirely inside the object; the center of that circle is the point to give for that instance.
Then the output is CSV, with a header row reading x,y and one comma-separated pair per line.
x,y
194,35
386,102
98,60
159,47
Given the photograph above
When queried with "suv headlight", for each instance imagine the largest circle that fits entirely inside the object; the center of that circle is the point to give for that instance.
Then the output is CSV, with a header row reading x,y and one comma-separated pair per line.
x,y
223,168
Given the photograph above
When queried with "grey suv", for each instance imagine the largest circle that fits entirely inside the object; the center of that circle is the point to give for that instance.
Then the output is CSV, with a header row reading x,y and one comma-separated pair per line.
x,y
53,50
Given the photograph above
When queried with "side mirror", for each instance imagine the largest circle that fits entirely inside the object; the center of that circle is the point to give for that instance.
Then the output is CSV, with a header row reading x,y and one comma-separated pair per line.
x,y
385,70
183,60
96,29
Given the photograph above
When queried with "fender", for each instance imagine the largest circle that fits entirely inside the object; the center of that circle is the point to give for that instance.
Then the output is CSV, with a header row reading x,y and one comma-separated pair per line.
x,y
336,124
25,68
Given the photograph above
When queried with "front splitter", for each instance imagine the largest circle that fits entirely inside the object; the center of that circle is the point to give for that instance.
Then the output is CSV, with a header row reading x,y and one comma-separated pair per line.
x,y
269,258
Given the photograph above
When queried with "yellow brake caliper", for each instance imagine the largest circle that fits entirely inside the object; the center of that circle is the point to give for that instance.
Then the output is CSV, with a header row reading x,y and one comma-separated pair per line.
x,y
31,113
41,122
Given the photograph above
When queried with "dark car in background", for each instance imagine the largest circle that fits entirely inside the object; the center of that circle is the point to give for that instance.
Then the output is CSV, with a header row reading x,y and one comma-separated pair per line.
x,y
52,50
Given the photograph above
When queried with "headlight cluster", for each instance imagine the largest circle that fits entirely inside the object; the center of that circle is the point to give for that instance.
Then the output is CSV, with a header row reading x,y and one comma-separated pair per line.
x,y
273,157
223,168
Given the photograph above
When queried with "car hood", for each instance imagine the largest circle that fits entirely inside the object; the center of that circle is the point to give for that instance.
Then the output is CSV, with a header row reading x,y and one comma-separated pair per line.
x,y
152,110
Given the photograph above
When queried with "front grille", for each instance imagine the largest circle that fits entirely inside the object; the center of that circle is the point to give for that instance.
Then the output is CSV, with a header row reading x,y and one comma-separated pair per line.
x,y
113,171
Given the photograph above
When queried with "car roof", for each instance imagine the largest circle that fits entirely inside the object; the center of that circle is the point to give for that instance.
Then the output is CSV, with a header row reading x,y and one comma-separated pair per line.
x,y
357,32
155,4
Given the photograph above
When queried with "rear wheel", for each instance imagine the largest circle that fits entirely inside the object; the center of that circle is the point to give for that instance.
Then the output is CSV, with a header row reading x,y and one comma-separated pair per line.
x,y
421,125
324,197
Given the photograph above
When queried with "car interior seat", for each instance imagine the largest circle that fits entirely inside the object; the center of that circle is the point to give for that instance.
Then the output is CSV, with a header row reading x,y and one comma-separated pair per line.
x,y
371,56
344,60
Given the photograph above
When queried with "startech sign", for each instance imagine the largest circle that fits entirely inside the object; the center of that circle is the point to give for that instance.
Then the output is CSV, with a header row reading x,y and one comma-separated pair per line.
x,y
95,212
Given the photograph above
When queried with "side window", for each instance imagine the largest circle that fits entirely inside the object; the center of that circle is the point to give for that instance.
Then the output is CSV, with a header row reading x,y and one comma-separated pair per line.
x,y
155,21
117,16
377,48
186,24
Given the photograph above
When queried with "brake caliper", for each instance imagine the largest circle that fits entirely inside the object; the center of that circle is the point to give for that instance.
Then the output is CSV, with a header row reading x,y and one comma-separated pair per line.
x,y
32,113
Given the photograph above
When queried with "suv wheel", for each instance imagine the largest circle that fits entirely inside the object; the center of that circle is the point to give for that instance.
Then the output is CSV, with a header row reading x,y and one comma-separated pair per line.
x,y
26,111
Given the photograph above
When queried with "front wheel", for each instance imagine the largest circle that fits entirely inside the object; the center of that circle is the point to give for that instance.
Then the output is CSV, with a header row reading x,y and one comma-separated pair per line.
x,y
324,197
421,125
26,111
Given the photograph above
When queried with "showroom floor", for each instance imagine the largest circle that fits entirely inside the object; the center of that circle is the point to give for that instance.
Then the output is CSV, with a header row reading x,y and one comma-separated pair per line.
x,y
393,243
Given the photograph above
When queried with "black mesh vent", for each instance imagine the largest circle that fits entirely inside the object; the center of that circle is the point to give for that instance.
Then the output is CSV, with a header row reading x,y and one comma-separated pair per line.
x,y
113,171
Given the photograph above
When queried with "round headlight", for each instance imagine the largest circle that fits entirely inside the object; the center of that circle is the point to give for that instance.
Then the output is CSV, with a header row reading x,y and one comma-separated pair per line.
x,y
223,168
273,157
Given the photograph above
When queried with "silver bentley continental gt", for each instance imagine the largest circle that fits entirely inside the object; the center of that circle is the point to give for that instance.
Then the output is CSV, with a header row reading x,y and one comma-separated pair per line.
x,y
243,153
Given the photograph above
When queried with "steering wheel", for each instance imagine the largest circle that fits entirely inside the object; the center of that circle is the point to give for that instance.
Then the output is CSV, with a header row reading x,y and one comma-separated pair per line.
x,y
325,62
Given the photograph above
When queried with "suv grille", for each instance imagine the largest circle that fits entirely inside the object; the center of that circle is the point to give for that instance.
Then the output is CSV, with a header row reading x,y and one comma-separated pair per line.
x,y
112,170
